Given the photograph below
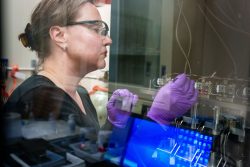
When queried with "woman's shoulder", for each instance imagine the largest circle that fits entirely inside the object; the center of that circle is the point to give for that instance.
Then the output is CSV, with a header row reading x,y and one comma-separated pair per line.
x,y
36,91
35,84
36,80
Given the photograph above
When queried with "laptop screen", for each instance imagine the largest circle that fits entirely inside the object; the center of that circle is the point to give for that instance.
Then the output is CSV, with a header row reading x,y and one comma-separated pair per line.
x,y
150,144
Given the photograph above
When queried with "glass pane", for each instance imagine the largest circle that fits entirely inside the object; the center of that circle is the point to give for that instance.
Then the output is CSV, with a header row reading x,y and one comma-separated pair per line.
x,y
154,41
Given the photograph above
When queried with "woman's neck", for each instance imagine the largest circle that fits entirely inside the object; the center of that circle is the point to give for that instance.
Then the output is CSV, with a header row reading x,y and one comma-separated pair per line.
x,y
66,82
65,74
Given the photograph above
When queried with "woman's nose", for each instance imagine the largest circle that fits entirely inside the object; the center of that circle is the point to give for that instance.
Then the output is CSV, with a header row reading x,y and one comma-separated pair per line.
x,y
107,40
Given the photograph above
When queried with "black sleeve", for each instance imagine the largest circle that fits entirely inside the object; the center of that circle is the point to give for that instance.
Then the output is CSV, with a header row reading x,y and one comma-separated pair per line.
x,y
41,103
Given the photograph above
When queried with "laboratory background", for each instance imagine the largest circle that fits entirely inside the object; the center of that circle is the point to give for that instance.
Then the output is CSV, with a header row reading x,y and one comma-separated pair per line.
x,y
152,42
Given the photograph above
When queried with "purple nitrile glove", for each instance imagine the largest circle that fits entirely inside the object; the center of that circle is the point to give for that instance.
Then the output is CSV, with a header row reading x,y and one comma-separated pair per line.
x,y
119,107
173,100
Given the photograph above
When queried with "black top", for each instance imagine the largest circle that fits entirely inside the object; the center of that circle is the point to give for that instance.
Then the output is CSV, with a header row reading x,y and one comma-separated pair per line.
x,y
39,98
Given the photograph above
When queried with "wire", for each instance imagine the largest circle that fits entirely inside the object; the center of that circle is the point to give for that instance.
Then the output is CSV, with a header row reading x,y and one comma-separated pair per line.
x,y
221,40
177,37
219,162
227,25
229,160
222,11
229,7
224,145
190,38
224,164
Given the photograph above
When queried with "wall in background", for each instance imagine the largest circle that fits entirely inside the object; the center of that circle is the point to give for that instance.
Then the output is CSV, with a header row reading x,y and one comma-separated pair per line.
x,y
16,16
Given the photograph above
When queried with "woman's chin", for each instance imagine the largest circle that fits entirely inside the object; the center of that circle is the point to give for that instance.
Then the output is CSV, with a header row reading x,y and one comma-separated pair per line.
x,y
101,65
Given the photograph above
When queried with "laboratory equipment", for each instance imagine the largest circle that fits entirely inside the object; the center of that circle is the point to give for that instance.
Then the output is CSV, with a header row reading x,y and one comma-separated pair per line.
x,y
207,40
165,145
39,152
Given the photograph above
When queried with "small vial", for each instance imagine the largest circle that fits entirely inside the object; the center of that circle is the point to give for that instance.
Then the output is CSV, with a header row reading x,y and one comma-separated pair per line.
x,y
71,123
53,123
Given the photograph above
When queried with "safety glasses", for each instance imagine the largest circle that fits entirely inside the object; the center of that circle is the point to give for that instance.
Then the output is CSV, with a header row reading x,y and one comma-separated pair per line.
x,y
99,26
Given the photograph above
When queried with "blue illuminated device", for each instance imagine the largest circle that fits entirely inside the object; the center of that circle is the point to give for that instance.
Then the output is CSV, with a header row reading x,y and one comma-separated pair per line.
x,y
145,144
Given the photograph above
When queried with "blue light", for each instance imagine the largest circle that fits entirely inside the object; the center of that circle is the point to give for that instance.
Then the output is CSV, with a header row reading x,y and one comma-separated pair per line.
x,y
151,144
201,136
180,136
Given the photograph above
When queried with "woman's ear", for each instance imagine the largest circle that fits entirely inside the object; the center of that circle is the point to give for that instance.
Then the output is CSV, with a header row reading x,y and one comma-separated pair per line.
x,y
58,35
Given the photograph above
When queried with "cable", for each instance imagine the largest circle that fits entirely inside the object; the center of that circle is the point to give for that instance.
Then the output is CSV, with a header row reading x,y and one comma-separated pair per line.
x,y
219,162
229,7
224,14
177,37
229,161
224,145
190,38
227,25
221,40
224,164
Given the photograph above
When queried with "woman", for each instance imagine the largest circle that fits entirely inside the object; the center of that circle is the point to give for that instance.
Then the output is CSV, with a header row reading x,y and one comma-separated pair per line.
x,y
70,40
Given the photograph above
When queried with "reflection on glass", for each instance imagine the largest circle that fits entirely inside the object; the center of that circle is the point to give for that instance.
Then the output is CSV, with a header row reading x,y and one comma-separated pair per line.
x,y
153,41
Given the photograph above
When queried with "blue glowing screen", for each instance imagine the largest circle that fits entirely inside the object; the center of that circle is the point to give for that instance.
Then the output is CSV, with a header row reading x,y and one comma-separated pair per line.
x,y
151,144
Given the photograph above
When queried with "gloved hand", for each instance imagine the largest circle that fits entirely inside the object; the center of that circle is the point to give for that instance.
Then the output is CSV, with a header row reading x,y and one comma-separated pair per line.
x,y
119,107
173,100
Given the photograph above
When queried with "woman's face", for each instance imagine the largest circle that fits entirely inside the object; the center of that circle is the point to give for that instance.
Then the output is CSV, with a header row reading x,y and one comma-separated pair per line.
x,y
84,45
